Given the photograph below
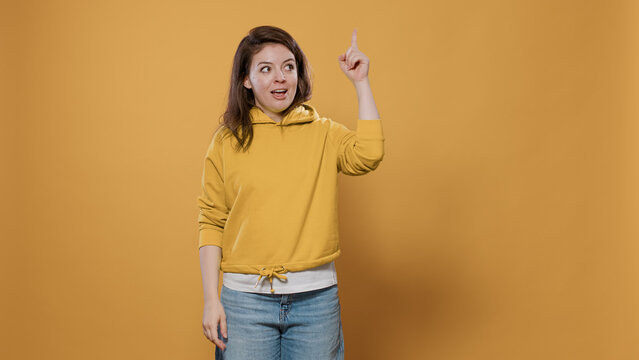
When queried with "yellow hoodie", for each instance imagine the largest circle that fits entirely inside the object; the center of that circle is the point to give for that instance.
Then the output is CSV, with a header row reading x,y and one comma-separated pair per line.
x,y
273,208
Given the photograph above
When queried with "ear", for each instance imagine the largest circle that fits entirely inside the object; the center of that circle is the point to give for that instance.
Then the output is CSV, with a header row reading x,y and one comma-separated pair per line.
x,y
247,83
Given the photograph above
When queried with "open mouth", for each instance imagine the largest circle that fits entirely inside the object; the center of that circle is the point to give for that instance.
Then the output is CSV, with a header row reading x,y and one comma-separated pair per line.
x,y
279,94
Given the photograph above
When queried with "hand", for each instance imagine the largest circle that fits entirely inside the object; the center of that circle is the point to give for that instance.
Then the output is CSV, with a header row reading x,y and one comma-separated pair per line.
x,y
214,314
354,63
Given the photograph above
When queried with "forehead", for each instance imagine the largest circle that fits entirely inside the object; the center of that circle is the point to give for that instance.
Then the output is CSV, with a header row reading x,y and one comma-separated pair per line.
x,y
275,53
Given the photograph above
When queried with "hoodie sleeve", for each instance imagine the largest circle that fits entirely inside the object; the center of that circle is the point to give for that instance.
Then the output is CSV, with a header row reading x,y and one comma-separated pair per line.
x,y
361,151
213,210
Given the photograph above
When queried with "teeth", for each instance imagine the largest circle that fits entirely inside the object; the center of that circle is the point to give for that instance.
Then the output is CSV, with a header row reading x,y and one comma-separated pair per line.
x,y
279,91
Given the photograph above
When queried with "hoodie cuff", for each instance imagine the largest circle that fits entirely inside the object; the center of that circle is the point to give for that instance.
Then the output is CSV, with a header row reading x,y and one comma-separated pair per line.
x,y
370,129
210,237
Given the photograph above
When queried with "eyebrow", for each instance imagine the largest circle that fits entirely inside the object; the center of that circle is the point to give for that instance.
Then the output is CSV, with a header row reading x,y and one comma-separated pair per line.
x,y
268,62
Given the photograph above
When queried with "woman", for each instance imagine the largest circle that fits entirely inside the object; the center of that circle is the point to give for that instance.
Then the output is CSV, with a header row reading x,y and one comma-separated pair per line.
x,y
269,204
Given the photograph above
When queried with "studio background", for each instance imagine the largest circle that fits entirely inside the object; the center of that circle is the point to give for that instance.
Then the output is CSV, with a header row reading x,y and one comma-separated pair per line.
x,y
501,224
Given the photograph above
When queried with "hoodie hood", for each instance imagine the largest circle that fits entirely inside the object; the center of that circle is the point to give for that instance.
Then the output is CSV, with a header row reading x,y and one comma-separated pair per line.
x,y
303,113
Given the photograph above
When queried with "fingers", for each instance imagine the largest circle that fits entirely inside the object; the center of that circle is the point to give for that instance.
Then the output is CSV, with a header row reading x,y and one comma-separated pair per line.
x,y
211,333
218,341
348,53
352,56
354,39
352,59
223,326
212,336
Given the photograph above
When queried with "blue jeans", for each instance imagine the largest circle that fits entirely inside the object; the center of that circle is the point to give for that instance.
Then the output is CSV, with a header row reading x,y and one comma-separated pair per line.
x,y
305,325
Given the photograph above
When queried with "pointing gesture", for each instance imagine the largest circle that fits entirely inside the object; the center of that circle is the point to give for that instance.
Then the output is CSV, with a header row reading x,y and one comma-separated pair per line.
x,y
353,62
354,39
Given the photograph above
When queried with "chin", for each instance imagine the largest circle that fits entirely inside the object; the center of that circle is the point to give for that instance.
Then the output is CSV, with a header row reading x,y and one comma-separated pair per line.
x,y
281,108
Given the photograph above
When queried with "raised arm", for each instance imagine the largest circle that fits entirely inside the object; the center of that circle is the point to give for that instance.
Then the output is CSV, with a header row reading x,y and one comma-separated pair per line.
x,y
361,151
355,66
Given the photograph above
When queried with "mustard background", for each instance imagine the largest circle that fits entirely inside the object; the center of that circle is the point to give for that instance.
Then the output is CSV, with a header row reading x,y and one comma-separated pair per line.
x,y
502,223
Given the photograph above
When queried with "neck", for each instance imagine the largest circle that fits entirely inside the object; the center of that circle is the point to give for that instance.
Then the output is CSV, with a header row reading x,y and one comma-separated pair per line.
x,y
275,117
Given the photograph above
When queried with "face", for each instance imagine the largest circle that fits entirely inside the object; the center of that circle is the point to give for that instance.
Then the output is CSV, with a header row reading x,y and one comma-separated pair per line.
x,y
273,68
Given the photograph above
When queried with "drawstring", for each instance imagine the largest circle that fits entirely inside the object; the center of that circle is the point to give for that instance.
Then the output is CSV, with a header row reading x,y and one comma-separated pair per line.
x,y
270,273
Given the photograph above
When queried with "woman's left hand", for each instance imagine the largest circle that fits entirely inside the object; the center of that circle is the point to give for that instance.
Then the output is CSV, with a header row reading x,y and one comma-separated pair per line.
x,y
354,63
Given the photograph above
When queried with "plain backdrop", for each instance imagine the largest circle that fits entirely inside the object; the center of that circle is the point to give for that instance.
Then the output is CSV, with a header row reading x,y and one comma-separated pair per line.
x,y
501,224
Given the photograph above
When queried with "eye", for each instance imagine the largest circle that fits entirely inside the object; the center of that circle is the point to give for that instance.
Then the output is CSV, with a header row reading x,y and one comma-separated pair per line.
x,y
266,67
291,66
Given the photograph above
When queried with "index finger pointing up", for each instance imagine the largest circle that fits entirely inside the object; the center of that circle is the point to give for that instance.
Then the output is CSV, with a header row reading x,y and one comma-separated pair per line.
x,y
354,39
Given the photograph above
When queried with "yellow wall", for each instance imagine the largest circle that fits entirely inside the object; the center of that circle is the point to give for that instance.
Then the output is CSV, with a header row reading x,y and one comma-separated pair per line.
x,y
502,223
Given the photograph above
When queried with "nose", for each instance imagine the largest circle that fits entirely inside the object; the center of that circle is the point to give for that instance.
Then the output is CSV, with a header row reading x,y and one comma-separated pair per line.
x,y
281,76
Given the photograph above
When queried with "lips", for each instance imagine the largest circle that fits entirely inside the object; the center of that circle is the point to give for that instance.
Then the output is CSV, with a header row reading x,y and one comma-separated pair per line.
x,y
279,95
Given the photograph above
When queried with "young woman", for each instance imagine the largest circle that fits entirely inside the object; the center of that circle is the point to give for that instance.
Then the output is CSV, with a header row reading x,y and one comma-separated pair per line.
x,y
268,209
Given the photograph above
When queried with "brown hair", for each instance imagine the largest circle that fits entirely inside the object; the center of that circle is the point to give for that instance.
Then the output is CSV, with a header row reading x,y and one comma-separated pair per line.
x,y
241,100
